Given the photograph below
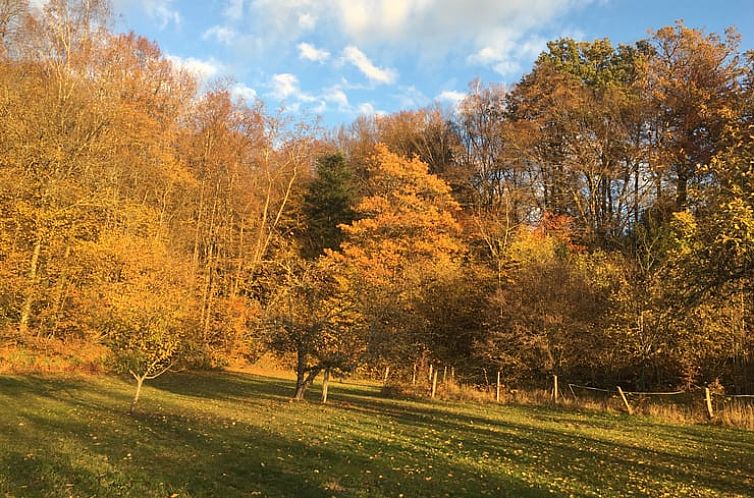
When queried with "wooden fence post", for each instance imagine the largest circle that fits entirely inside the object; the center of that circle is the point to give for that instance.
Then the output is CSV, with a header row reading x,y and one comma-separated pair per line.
x,y
453,373
497,388
413,377
444,373
625,401
708,399
387,373
434,384
430,373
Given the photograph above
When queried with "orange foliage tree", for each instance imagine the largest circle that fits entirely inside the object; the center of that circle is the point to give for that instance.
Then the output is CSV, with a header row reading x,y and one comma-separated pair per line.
x,y
406,237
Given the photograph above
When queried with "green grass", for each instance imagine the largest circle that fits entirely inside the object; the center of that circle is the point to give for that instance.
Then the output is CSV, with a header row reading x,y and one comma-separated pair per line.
x,y
232,434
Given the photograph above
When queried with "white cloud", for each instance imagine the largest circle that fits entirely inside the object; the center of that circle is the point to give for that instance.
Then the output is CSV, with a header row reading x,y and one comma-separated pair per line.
x,y
309,52
375,74
501,34
506,50
411,97
337,96
234,10
367,109
267,25
502,60
222,34
441,22
485,55
307,21
286,86
162,11
243,92
201,69
451,96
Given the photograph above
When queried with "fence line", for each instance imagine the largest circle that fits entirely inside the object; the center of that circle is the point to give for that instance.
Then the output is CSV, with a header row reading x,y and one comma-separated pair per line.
x,y
590,388
707,395
642,393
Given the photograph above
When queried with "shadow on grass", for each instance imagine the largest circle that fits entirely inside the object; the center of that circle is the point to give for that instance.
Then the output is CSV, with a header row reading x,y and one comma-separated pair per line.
x,y
608,461
567,450
102,452
77,440
250,388
226,386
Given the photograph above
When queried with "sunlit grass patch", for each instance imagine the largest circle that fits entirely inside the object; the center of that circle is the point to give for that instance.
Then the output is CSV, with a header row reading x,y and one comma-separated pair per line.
x,y
233,434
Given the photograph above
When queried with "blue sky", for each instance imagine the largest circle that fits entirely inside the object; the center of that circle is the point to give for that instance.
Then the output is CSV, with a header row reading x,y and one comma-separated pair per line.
x,y
341,58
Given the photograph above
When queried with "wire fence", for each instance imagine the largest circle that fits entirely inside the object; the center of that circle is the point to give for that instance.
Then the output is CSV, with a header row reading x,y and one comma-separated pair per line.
x,y
696,395
691,404
615,391
662,393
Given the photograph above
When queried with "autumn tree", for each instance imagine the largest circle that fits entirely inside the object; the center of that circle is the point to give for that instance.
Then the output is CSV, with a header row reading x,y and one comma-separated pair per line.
x,y
551,308
712,264
142,302
406,237
492,178
426,133
314,315
603,203
12,13
692,86
578,129
57,147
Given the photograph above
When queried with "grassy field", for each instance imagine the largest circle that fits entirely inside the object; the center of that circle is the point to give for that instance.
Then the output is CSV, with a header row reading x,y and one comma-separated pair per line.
x,y
232,434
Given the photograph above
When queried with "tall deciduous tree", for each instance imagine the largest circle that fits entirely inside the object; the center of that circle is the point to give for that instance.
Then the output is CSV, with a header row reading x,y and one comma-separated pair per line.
x,y
405,238
314,315
143,304
693,81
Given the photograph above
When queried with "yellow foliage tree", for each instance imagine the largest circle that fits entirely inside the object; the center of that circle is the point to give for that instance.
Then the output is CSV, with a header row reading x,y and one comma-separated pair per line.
x,y
143,304
314,315
406,237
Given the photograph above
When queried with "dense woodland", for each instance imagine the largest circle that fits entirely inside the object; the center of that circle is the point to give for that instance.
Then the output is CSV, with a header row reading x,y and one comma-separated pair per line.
x,y
594,221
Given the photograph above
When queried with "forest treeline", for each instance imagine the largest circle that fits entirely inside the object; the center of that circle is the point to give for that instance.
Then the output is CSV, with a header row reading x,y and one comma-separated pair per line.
x,y
593,221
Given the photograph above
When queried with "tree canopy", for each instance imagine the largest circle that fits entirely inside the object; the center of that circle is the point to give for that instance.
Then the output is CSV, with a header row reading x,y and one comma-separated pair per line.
x,y
594,220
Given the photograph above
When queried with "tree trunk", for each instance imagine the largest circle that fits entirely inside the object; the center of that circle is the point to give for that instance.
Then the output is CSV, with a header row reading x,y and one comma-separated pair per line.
x,y
303,382
23,324
636,195
300,388
300,375
304,376
139,383
325,385
682,186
